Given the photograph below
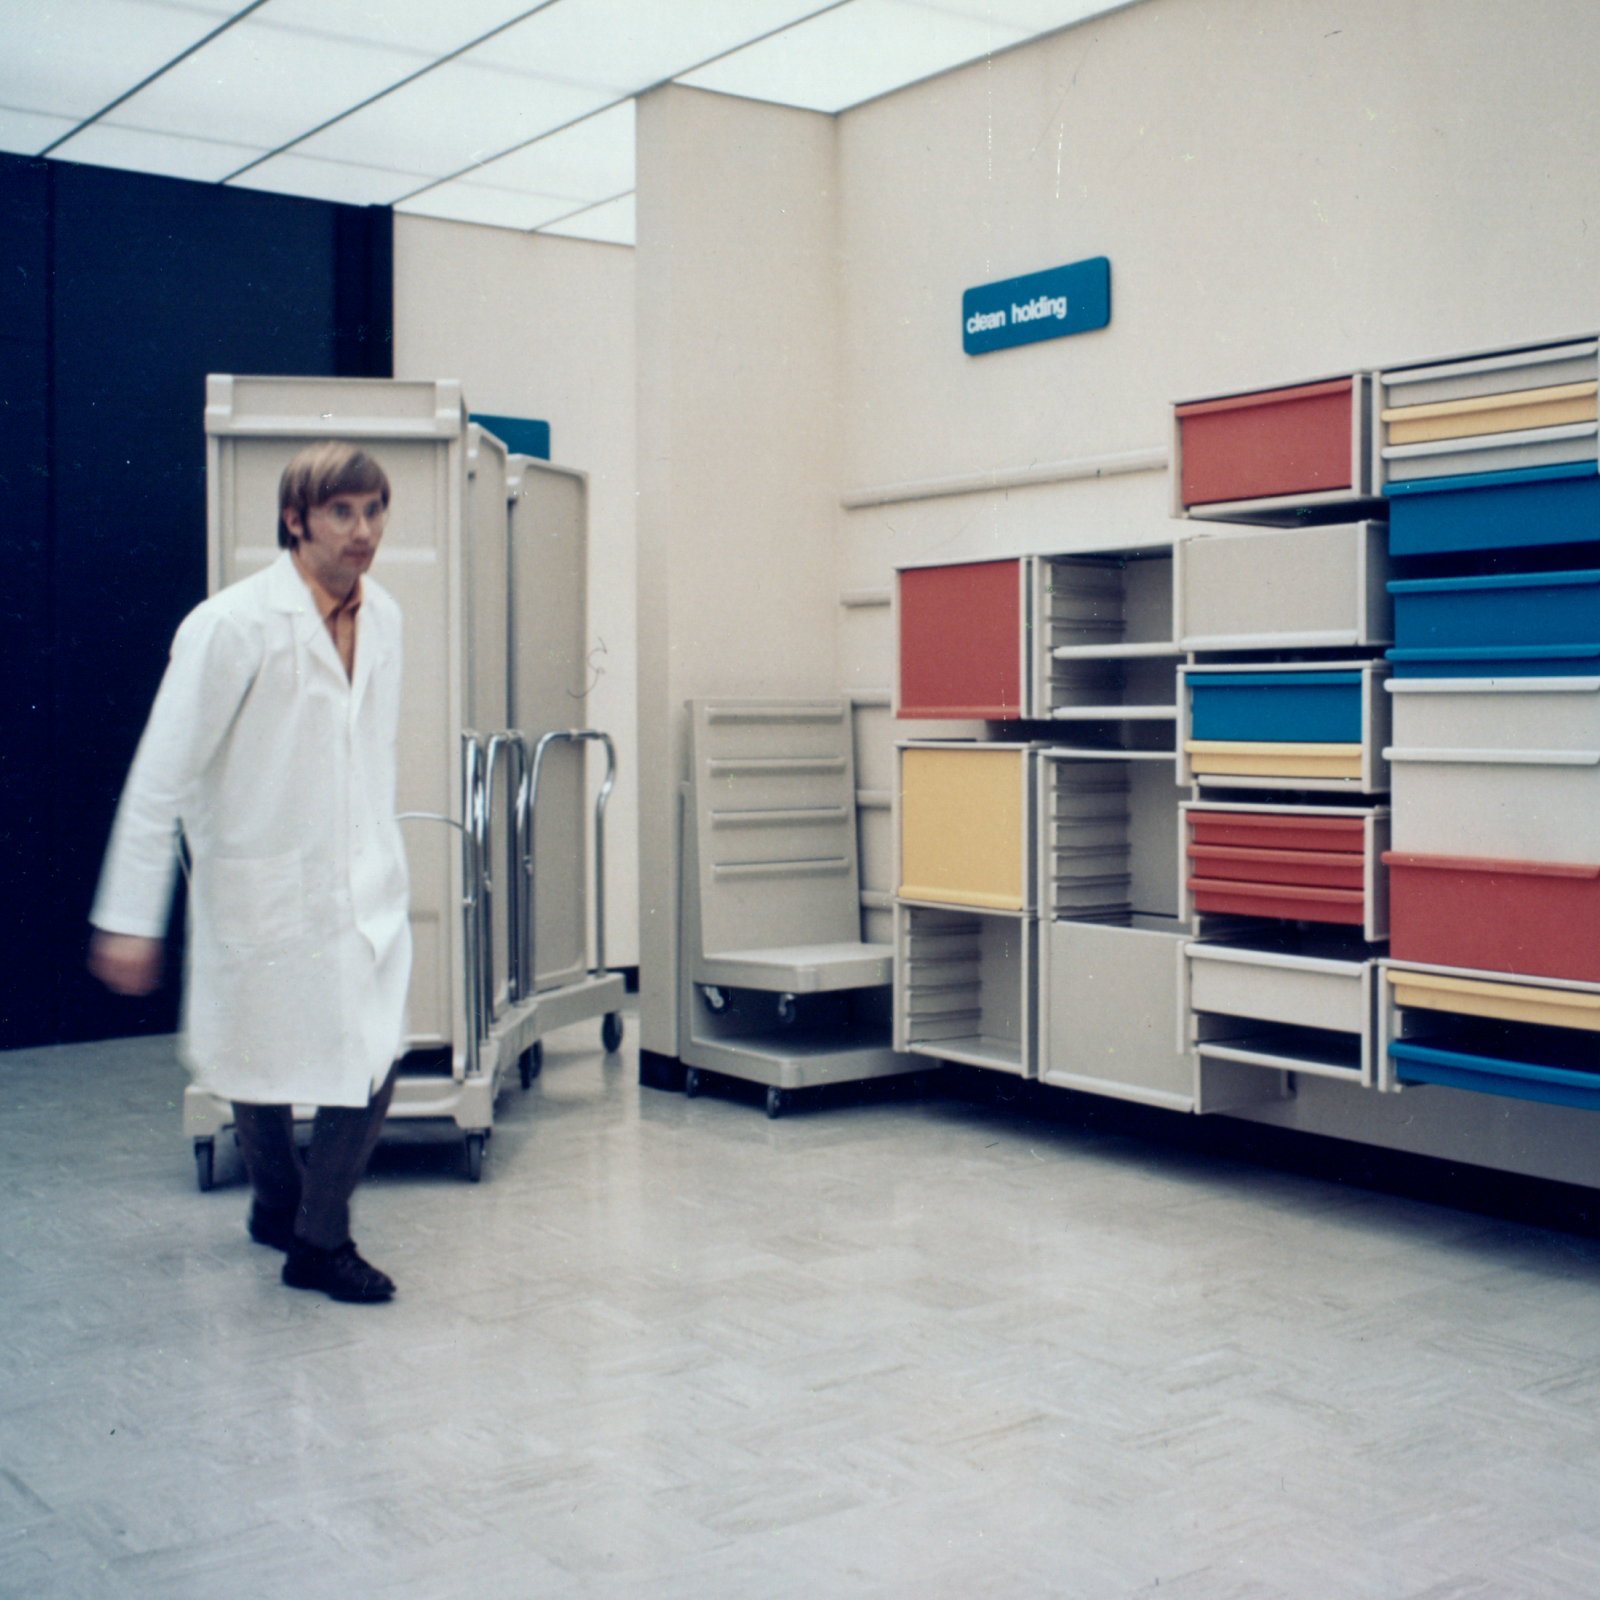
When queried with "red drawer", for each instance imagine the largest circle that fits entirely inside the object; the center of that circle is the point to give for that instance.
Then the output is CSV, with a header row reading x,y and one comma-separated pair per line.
x,y
1533,917
1279,442
1255,831
1323,869
961,641
1295,901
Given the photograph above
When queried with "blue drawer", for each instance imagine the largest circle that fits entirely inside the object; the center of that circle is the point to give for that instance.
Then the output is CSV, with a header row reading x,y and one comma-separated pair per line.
x,y
1507,625
1495,510
1282,707
1519,1080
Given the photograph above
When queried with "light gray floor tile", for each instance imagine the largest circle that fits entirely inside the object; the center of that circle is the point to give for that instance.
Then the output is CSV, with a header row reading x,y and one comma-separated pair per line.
x,y
906,1347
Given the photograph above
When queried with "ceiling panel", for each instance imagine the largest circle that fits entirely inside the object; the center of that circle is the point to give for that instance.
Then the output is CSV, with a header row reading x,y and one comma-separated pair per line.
x,y
591,160
265,85
453,118
26,133
465,201
1031,17
105,144
853,53
344,182
612,223
627,46
74,57
433,27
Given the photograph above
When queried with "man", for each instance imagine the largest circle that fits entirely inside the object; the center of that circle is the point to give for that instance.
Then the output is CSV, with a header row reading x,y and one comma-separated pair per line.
x,y
272,745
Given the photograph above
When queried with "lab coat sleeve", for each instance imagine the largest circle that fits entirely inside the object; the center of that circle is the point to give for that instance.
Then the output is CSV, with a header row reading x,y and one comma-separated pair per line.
x,y
214,661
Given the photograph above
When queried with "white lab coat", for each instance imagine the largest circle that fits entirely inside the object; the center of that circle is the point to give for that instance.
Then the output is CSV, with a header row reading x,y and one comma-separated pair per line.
x,y
282,773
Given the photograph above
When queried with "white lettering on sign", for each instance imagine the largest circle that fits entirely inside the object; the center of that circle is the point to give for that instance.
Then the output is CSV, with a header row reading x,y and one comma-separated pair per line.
x,y
1044,306
982,321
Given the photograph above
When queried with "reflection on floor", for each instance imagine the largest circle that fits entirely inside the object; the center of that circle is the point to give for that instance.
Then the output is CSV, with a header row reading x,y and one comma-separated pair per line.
x,y
908,1346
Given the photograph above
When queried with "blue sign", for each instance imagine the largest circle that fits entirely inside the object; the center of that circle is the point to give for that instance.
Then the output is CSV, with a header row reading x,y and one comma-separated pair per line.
x,y
1043,305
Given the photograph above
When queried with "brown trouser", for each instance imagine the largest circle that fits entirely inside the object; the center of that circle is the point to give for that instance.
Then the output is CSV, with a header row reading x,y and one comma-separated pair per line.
x,y
318,1187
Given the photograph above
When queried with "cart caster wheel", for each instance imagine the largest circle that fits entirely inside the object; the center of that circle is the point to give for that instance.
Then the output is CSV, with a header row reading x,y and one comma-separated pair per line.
x,y
204,1158
691,1083
777,1101
611,1031
474,1157
530,1062
716,999
787,1010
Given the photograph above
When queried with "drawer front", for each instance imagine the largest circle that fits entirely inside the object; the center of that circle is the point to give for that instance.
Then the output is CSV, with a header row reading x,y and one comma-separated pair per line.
x,y
1511,720
1345,907
1242,759
1312,994
1495,512
1280,442
1322,869
965,826
1542,919
1509,1002
1281,831
1507,810
1549,407
1480,1073
1299,707
1308,586
1516,610
961,641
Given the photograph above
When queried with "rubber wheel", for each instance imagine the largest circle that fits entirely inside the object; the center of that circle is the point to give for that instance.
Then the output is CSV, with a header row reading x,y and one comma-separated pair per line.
x,y
691,1082
204,1157
777,1101
474,1157
530,1062
611,1031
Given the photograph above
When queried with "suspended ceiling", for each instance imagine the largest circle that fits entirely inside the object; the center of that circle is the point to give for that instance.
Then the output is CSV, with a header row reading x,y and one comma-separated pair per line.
x,y
499,112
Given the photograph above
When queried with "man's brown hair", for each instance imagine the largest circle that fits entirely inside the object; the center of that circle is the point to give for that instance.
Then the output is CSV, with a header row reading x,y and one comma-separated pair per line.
x,y
319,472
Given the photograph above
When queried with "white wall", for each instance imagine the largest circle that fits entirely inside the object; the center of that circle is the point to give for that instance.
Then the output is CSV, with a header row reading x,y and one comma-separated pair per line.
x,y
738,445
1285,191
538,326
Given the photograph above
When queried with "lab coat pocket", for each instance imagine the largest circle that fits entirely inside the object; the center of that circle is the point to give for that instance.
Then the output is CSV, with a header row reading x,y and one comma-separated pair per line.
x,y
257,900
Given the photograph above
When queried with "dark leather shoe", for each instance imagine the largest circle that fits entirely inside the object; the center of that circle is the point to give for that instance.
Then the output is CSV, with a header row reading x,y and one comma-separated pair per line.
x,y
271,1227
339,1272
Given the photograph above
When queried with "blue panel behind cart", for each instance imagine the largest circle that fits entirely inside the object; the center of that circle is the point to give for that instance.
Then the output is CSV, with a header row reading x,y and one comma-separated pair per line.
x,y
1280,707
1495,510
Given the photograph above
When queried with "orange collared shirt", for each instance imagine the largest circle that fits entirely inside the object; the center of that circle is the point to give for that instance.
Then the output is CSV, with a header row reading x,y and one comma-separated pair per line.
x,y
338,616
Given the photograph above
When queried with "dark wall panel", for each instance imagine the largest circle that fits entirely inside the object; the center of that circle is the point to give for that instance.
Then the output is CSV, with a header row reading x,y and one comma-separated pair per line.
x,y
27,1003
153,284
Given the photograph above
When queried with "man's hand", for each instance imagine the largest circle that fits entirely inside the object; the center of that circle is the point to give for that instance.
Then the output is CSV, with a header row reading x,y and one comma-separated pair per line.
x,y
124,962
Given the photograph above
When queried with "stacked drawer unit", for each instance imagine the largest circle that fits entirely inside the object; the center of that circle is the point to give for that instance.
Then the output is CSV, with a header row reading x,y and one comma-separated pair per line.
x,y
1282,725
966,922
1490,465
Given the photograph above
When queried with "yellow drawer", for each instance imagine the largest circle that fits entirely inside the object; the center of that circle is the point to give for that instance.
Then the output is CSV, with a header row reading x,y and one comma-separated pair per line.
x,y
1508,1002
1492,413
1241,758
964,826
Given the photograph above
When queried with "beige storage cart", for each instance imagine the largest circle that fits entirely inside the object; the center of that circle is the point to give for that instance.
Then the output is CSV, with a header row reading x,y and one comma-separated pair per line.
x,y
483,552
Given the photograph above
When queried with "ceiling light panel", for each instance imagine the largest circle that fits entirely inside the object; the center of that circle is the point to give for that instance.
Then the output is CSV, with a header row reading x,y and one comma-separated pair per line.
x,y
26,133
1033,17
491,207
591,160
343,182
266,86
105,144
852,54
434,28
73,58
453,118
626,46
612,223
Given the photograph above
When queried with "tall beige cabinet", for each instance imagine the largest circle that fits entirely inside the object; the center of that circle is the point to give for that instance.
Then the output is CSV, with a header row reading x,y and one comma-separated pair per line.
x,y
485,554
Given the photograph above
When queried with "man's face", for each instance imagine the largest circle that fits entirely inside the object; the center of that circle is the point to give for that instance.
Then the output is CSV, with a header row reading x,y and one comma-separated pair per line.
x,y
339,538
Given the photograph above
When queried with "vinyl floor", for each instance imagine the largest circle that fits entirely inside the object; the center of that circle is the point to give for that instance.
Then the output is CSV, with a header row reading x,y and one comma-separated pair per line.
x,y
909,1346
